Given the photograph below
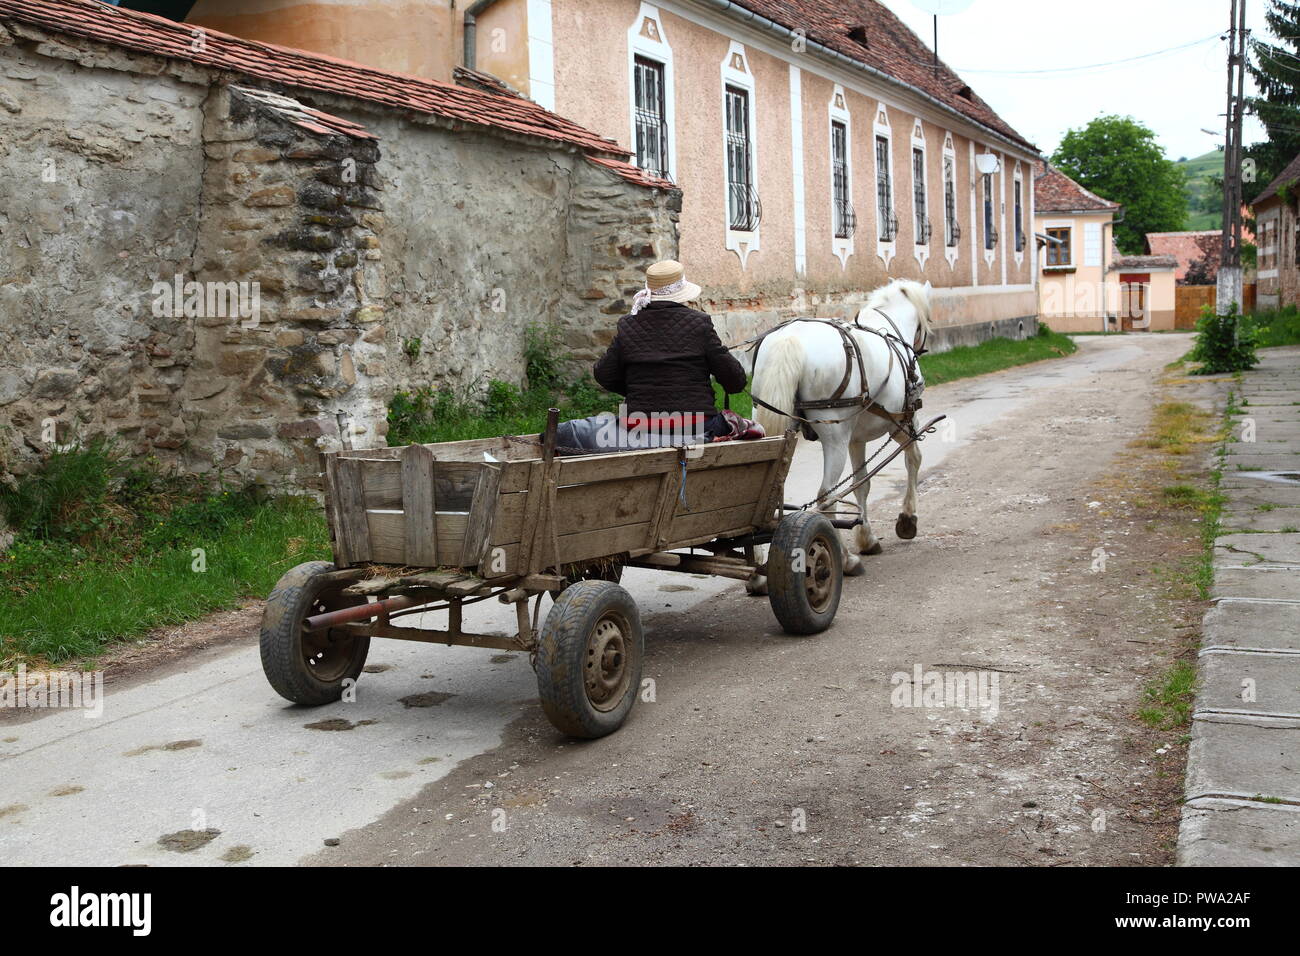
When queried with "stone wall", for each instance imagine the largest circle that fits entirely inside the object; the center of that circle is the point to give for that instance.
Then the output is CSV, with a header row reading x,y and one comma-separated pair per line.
x,y
340,256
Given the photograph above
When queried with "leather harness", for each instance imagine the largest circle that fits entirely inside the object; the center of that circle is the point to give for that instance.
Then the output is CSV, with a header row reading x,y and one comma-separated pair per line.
x,y
906,354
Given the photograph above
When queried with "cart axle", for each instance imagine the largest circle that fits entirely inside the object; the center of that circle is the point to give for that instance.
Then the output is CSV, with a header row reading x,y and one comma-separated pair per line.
x,y
361,612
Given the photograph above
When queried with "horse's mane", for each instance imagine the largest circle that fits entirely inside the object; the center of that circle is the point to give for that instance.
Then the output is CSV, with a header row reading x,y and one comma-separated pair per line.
x,y
913,291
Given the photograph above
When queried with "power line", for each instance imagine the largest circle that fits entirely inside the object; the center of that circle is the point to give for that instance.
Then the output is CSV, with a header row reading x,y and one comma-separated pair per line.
x,y
1097,66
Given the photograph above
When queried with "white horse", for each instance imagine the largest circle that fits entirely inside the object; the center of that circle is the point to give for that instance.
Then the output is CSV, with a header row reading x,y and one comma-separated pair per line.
x,y
805,362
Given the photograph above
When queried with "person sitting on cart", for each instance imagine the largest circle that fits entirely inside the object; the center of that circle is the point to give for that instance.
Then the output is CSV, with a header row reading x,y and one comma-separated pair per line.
x,y
661,360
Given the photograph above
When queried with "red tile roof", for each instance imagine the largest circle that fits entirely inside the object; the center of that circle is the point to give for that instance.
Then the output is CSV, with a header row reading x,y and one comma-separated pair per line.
x,y
1288,175
890,47
314,121
301,70
1187,247
1056,192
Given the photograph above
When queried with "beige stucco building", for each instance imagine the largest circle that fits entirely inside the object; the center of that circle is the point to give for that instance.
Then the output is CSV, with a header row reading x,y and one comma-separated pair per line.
x,y
819,151
1086,285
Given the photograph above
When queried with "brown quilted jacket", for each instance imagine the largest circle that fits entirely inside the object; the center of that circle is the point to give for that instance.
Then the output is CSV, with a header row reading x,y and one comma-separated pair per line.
x,y
662,357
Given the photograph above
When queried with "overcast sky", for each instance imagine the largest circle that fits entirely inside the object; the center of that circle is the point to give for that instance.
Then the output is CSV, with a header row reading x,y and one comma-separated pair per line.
x,y
1176,94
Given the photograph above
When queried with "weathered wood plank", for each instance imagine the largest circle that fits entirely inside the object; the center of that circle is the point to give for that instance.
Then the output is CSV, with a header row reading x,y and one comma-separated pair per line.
x,y
607,504
533,504
694,525
544,552
714,488
482,516
353,532
670,484
607,542
453,482
418,506
387,534
333,514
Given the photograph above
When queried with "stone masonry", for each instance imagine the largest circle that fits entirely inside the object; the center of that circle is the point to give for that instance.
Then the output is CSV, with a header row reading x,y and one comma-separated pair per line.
x,y
221,273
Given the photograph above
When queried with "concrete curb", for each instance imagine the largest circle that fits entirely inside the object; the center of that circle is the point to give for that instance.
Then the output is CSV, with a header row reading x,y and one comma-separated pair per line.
x,y
1243,789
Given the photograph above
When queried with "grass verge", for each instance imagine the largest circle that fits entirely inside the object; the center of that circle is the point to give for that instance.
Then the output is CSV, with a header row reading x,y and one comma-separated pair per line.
x,y
995,355
1276,327
1176,429
108,549
1168,700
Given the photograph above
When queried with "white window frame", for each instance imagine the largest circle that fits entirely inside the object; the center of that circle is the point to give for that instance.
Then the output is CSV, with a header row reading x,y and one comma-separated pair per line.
x,y
742,243
838,112
976,217
1002,214
662,53
920,249
885,250
951,253
1018,179
1073,264
986,195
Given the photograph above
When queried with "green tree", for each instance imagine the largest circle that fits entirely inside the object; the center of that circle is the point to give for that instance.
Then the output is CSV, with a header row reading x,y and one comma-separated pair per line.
x,y
1118,158
1275,68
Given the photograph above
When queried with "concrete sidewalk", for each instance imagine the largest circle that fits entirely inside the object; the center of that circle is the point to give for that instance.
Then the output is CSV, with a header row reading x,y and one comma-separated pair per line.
x,y
1243,771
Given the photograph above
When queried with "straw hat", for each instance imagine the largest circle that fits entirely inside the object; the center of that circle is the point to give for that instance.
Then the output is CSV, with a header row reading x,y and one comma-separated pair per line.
x,y
666,282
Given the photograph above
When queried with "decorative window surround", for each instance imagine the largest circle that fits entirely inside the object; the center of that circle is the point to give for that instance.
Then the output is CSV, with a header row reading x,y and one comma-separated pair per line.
x,y
796,171
976,222
646,38
736,72
839,113
921,249
880,127
951,252
985,190
1020,218
541,54
1002,215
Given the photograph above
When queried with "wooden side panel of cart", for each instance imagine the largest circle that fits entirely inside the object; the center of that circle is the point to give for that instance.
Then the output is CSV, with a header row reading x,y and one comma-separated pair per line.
x,y
444,505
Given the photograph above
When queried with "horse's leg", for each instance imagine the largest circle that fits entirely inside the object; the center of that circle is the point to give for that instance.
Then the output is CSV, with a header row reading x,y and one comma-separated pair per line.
x,y
835,448
864,537
756,586
906,526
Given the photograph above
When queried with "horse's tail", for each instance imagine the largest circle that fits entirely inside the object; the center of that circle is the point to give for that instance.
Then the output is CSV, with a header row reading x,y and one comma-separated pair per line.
x,y
776,381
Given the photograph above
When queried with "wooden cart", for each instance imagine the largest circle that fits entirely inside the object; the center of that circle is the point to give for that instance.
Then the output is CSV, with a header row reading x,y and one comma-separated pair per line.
x,y
438,527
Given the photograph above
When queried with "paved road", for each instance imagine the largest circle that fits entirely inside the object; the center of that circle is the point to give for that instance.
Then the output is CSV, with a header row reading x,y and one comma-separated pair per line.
x,y
749,725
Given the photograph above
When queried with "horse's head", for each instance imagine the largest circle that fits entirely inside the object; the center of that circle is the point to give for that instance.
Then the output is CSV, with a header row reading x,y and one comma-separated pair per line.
x,y
907,303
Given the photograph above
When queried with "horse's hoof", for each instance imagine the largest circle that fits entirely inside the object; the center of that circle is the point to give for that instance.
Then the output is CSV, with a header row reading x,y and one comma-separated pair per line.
x,y
876,548
906,527
854,568
757,586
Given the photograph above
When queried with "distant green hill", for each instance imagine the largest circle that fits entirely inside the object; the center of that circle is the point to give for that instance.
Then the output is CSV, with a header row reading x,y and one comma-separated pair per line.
x,y
1204,192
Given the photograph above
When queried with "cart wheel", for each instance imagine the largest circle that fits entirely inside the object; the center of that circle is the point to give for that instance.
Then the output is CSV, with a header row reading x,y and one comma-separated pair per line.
x,y
309,668
804,573
589,659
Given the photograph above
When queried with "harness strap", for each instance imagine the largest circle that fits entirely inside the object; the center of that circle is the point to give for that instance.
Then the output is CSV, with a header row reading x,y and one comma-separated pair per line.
x,y
852,352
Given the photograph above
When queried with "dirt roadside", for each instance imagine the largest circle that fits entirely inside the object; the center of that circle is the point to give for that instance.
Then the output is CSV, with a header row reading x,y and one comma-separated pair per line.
x,y
765,749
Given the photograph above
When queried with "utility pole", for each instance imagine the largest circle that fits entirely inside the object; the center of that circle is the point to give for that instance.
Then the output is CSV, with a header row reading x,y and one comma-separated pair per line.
x,y
1230,277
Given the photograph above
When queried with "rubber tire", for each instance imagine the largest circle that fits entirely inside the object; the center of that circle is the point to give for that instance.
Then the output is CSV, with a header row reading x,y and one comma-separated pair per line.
x,y
786,591
281,639
561,653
